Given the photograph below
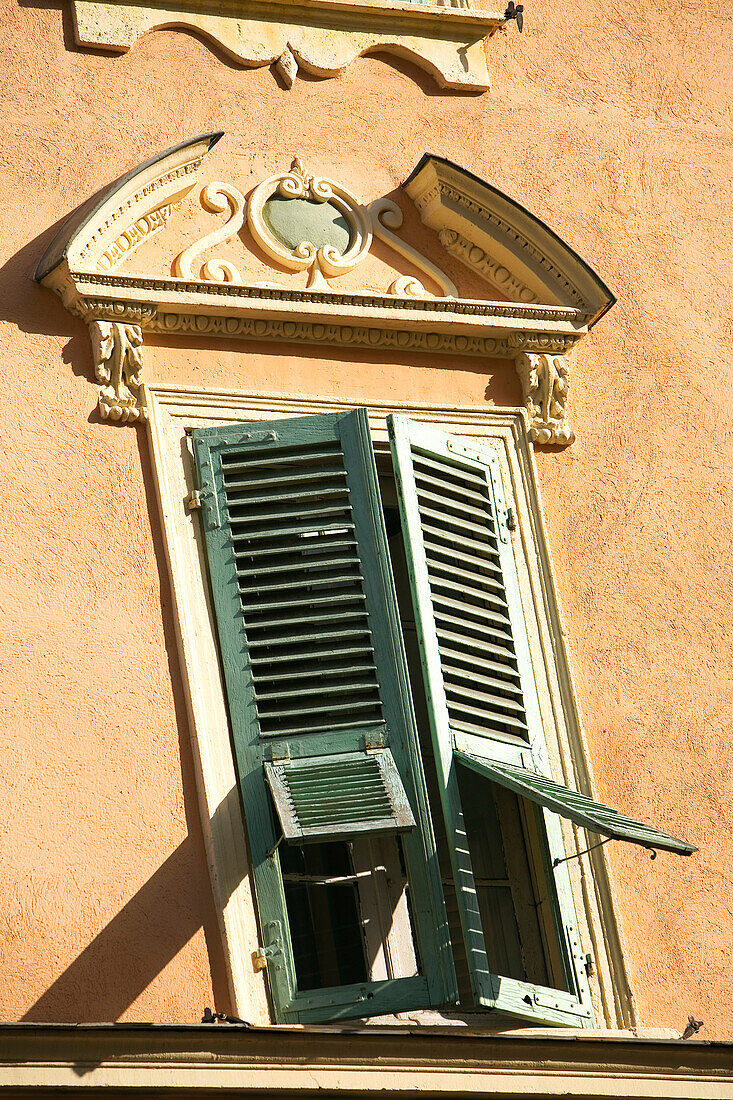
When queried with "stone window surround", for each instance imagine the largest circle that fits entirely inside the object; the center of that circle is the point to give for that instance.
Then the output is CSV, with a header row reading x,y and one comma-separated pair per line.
x,y
171,412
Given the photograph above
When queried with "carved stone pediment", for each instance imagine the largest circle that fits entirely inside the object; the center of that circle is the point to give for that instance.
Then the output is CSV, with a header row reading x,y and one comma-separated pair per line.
x,y
444,37
310,234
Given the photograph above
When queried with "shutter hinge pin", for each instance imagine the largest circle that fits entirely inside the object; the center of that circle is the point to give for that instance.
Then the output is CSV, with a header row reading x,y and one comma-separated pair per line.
x,y
262,954
511,519
194,500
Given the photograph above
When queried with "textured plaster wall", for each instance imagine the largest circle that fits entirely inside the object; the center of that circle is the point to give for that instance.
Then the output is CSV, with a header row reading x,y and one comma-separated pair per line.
x,y
613,128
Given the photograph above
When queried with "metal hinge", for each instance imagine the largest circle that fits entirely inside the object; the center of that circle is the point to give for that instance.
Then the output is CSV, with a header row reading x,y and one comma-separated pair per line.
x,y
375,740
280,752
260,957
194,500
262,954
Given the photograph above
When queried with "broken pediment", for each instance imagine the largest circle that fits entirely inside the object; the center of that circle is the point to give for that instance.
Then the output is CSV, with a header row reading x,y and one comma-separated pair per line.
x,y
170,249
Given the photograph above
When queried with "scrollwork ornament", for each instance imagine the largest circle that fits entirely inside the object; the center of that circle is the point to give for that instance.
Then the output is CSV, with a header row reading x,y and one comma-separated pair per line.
x,y
216,198
118,361
323,262
546,383
386,216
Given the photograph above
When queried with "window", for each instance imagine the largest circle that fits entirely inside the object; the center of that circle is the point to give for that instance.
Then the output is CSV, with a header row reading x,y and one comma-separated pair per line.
x,y
393,769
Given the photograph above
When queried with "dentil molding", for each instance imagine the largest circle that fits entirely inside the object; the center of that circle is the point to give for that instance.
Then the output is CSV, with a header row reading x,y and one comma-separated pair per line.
x,y
308,223
324,37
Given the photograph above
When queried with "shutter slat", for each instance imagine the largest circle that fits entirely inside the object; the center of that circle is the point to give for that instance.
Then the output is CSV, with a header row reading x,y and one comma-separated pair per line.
x,y
307,549
477,646
479,535
254,501
488,698
468,628
475,664
462,475
469,583
473,515
291,529
274,457
461,492
318,654
292,567
463,606
437,536
321,473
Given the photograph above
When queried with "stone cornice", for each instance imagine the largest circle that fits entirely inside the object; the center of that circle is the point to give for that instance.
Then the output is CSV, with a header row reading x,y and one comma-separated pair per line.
x,y
321,36
199,1059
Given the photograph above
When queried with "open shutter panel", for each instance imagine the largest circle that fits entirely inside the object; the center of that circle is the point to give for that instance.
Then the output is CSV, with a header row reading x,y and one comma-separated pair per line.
x,y
335,797
584,811
314,669
477,670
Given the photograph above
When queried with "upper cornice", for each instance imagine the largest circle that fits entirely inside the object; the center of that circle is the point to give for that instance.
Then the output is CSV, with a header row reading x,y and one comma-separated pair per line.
x,y
553,295
322,36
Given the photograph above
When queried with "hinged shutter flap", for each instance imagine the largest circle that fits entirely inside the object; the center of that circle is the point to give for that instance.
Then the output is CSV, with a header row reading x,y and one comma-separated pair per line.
x,y
332,797
309,635
592,815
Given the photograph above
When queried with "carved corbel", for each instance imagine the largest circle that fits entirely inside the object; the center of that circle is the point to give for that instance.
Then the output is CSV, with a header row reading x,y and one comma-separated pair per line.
x,y
545,383
118,361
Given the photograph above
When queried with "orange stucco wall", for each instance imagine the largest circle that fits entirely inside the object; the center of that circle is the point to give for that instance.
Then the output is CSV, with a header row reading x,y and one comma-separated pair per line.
x,y
610,127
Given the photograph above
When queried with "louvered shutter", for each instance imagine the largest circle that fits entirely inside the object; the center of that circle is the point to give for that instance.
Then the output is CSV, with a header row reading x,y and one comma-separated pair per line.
x,y
316,678
592,815
477,673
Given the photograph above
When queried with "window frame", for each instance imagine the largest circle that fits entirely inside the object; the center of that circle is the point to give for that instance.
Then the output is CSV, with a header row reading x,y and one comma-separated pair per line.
x,y
172,410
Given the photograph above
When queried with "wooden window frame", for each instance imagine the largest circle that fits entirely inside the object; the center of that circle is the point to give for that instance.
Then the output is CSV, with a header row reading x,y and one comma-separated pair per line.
x,y
172,411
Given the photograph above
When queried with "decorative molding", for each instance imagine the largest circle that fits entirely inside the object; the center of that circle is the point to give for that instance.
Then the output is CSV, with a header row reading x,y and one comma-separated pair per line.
x,y
105,230
81,288
371,321
216,198
386,216
485,230
545,382
118,363
324,37
506,236
324,261
480,261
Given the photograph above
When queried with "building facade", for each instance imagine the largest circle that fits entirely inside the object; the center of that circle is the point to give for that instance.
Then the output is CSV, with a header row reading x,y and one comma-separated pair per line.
x,y
367,549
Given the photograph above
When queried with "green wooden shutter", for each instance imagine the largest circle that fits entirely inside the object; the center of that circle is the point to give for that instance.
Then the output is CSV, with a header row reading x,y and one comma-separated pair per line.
x,y
579,808
316,677
478,676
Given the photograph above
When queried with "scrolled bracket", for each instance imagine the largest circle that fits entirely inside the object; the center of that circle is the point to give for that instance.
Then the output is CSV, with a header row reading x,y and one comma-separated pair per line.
x,y
545,384
118,361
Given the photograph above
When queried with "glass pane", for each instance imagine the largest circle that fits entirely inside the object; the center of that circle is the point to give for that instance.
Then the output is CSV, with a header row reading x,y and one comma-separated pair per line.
x,y
323,913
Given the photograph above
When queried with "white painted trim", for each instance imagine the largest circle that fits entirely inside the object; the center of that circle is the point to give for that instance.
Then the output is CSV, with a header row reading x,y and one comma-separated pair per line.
x,y
172,410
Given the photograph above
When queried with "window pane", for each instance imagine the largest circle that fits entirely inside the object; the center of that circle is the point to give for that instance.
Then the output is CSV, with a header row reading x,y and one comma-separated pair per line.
x,y
323,911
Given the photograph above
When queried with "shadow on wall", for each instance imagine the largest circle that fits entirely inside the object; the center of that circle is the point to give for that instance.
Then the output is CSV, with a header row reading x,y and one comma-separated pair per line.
x,y
166,913
135,947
